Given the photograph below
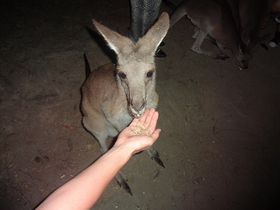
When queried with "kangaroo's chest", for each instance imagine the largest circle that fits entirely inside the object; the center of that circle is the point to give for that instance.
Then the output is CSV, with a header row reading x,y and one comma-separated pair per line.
x,y
118,122
117,113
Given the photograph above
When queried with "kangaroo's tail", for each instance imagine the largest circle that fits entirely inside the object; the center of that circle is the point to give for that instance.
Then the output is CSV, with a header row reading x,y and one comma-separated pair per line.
x,y
178,11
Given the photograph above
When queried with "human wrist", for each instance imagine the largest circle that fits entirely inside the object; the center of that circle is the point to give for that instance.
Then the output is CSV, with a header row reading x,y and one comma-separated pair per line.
x,y
124,150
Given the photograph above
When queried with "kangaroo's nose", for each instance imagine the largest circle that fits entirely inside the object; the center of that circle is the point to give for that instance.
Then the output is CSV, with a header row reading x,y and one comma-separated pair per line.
x,y
138,106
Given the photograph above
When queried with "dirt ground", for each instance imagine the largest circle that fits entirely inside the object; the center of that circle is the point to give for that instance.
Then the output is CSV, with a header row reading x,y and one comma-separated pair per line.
x,y
220,126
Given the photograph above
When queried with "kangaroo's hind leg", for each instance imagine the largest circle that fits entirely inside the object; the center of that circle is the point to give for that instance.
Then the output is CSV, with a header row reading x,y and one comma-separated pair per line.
x,y
199,39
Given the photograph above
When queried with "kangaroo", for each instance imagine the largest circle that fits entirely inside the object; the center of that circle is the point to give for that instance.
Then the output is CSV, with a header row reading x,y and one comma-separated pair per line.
x,y
214,20
113,95
249,16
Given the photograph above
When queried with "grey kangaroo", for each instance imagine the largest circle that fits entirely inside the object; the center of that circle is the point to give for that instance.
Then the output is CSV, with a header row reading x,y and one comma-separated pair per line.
x,y
214,20
249,16
114,94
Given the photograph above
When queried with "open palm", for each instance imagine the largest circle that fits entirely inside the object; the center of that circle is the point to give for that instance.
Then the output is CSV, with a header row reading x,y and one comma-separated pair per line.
x,y
141,133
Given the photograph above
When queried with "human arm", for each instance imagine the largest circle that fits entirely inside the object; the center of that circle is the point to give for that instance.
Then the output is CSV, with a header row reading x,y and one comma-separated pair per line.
x,y
82,191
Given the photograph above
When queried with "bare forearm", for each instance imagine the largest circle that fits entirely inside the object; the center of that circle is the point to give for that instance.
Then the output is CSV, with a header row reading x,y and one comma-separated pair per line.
x,y
83,191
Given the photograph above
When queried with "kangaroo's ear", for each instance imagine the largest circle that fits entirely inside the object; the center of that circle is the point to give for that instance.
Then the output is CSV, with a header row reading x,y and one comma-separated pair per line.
x,y
115,41
155,34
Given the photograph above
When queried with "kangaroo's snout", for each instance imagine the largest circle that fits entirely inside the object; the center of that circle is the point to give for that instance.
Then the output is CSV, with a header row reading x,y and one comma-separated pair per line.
x,y
137,107
243,61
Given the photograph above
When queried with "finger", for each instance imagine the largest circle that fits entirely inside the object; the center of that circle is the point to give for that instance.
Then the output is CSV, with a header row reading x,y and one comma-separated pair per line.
x,y
147,121
153,121
136,120
142,119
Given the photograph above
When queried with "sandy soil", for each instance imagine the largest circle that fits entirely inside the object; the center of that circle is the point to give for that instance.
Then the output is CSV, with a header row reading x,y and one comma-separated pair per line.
x,y
220,125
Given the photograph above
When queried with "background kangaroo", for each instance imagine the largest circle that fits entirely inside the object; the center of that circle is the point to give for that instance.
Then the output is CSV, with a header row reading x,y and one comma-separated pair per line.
x,y
249,15
113,95
214,19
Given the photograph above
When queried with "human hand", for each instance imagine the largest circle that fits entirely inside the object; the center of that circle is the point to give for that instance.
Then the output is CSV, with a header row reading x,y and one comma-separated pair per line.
x,y
141,133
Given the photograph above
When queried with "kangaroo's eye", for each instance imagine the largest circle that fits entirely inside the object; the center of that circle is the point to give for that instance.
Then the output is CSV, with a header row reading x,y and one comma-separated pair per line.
x,y
150,73
122,75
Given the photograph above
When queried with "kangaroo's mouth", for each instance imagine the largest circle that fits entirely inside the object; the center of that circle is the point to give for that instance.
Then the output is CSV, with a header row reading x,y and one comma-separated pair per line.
x,y
137,115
